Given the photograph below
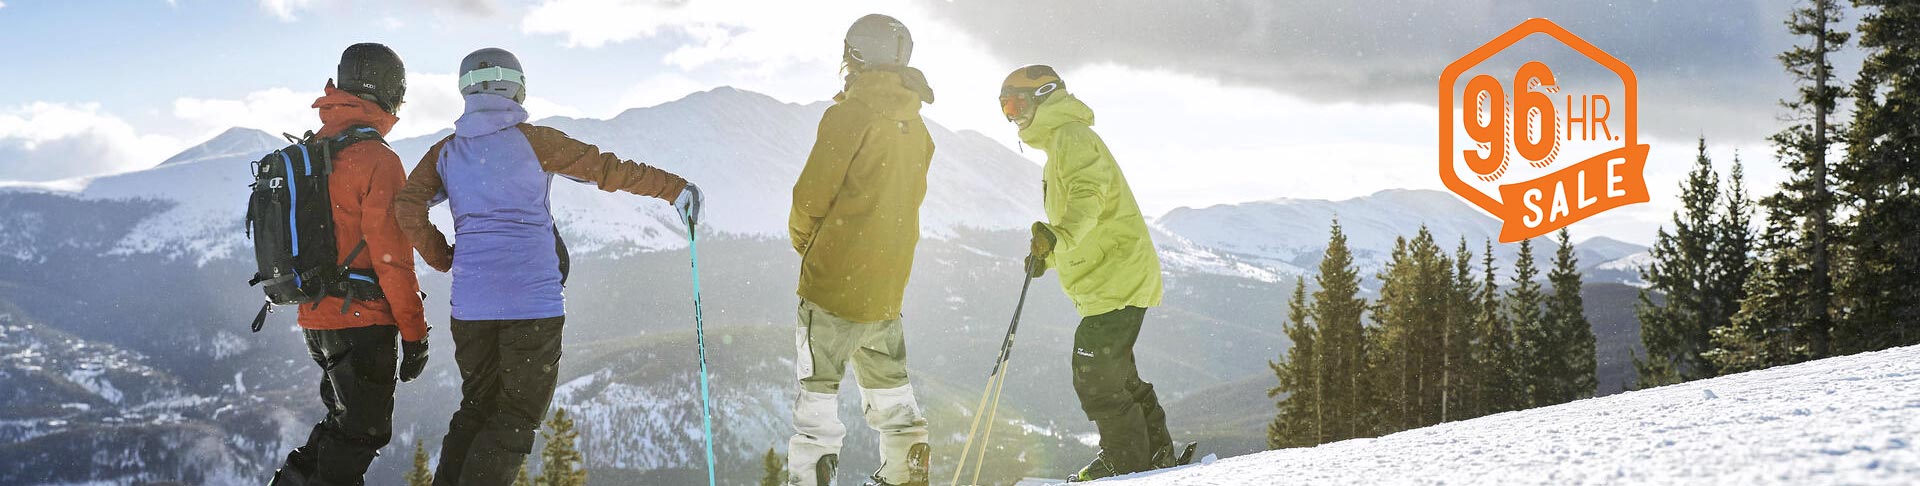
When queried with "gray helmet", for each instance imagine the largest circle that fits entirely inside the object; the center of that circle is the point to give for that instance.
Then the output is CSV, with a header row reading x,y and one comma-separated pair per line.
x,y
879,40
493,71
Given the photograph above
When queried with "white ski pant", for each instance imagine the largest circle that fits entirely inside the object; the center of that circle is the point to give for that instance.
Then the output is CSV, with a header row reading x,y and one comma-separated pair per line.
x,y
878,351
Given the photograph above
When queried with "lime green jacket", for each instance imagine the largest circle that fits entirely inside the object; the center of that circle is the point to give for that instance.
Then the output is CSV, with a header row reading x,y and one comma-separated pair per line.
x,y
1104,254
856,207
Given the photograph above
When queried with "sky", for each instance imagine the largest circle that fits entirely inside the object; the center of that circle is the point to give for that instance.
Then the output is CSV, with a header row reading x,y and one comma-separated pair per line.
x,y
1203,103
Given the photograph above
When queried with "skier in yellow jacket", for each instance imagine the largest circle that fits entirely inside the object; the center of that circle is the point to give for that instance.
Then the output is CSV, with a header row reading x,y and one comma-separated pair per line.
x,y
1096,237
855,223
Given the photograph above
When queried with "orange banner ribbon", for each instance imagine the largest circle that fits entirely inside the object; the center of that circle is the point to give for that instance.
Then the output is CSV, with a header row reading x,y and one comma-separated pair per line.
x,y
1606,181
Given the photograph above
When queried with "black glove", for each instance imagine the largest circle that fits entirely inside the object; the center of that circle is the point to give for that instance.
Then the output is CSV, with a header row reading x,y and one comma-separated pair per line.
x,y
413,359
1036,266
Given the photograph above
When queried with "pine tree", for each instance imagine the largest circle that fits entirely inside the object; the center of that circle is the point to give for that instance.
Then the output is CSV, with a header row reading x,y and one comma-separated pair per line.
x,y
560,462
776,467
1460,394
422,472
1412,322
1499,383
1787,314
1389,374
1879,179
1806,199
1733,248
1765,332
1336,312
1297,424
1524,302
1675,331
1747,340
1570,362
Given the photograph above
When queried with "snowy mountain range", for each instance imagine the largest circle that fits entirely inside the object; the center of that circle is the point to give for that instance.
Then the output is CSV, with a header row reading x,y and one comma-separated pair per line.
x,y
122,304
1283,237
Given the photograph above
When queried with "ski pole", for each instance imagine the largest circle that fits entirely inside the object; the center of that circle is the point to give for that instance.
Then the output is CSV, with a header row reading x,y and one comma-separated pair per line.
x,y
700,337
966,450
996,381
993,413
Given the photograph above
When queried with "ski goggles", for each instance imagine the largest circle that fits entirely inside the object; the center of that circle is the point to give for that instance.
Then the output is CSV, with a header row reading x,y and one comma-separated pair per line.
x,y
1014,106
495,73
1018,103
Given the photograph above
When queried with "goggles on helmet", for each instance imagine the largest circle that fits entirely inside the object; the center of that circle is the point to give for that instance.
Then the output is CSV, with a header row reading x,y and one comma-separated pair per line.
x,y
495,73
1018,103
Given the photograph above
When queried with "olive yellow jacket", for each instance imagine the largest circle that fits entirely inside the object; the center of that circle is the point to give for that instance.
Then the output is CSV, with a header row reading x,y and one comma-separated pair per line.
x,y
856,208
1102,249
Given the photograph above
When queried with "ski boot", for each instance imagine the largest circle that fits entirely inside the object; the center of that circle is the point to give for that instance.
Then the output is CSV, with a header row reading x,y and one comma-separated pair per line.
x,y
917,465
1101,467
1165,458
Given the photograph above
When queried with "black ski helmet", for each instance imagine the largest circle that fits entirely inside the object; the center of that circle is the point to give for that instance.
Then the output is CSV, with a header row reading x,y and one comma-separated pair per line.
x,y
879,40
373,71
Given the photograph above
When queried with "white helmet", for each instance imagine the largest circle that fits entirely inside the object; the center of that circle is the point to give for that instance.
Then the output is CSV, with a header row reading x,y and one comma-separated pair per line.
x,y
879,40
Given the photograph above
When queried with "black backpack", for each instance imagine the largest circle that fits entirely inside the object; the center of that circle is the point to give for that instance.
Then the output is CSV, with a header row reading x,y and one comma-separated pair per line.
x,y
290,220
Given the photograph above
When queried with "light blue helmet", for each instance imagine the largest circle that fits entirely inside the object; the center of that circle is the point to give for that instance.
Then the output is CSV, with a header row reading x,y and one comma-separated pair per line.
x,y
493,71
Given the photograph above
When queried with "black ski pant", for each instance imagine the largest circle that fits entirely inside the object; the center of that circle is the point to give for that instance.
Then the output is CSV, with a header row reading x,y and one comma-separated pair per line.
x,y
1125,409
507,373
357,374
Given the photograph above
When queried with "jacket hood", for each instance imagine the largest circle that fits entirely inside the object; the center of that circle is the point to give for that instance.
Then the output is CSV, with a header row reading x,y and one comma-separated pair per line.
x,y
893,91
340,110
488,113
1060,109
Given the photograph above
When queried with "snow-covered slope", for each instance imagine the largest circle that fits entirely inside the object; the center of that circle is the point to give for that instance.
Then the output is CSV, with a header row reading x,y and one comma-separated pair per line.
x,y
1283,237
1846,420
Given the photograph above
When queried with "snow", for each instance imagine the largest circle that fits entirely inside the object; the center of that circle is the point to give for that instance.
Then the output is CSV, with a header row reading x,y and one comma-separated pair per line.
x,y
89,378
1634,262
1844,420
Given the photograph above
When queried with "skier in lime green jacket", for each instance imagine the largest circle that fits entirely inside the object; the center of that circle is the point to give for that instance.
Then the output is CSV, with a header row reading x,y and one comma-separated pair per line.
x,y
1096,237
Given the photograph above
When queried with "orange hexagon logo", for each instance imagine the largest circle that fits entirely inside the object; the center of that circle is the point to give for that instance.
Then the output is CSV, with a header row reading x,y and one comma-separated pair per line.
x,y
1541,151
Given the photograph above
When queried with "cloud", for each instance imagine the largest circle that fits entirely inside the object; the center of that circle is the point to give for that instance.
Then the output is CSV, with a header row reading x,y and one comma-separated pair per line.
x,y
1714,58
276,110
285,9
788,50
1189,140
45,141
432,104
770,35
289,10
476,7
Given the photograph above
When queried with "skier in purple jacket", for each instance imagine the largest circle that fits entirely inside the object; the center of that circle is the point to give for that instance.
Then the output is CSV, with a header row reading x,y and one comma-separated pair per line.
x,y
508,310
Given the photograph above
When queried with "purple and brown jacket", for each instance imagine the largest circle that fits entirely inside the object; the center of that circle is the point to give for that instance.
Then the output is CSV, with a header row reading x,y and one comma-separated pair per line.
x,y
495,172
